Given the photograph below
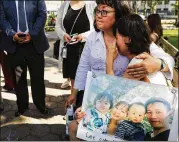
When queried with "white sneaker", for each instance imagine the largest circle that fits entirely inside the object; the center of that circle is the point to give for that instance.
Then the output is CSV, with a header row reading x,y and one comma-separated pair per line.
x,y
65,84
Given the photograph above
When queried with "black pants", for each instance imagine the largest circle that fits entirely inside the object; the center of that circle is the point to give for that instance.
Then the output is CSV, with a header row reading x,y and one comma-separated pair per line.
x,y
26,56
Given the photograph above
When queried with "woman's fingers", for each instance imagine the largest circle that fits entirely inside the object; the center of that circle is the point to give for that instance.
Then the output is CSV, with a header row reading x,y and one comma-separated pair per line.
x,y
67,38
135,71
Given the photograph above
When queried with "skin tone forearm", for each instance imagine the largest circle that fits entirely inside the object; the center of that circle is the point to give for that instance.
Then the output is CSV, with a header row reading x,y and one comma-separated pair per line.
x,y
147,66
74,92
72,98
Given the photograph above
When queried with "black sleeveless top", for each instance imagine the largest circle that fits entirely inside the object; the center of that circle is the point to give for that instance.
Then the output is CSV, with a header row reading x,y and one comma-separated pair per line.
x,y
82,24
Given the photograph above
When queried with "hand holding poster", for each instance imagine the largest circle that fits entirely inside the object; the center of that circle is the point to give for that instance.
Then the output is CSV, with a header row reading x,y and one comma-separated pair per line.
x,y
122,109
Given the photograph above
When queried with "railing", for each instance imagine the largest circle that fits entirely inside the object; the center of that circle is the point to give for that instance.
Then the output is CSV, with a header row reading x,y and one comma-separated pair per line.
x,y
173,51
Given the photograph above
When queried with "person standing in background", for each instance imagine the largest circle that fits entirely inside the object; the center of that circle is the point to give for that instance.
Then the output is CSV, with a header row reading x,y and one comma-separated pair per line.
x,y
74,19
25,42
6,68
1,19
154,23
4,60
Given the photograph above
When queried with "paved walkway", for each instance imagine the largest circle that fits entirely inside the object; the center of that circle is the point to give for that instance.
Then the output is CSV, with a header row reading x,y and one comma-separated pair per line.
x,y
33,126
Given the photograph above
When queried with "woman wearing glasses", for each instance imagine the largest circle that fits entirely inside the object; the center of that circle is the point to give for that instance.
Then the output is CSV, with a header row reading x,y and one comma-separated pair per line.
x,y
94,54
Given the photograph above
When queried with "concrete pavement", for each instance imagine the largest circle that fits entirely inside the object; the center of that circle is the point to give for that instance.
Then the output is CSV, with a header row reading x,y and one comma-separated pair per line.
x,y
32,125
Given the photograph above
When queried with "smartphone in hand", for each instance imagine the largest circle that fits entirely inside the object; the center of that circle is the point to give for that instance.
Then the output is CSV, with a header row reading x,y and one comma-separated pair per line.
x,y
21,35
73,40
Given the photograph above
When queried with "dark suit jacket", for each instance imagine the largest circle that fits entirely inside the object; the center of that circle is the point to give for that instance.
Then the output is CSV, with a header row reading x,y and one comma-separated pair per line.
x,y
36,18
1,19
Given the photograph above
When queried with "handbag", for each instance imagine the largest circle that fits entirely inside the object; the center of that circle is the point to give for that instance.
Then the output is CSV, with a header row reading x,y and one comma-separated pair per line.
x,y
64,49
56,47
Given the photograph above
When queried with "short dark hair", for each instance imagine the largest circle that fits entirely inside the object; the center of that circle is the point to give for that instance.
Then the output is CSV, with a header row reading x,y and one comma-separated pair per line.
x,y
137,103
154,23
158,100
121,8
134,27
105,95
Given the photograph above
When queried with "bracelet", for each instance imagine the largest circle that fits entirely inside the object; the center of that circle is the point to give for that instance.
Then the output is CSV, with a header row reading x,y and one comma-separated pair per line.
x,y
163,64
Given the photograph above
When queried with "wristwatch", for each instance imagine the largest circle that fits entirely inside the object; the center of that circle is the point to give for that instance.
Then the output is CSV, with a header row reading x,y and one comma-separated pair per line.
x,y
163,64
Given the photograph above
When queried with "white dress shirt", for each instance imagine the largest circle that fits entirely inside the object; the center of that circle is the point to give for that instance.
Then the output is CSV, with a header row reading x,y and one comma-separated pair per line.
x,y
27,28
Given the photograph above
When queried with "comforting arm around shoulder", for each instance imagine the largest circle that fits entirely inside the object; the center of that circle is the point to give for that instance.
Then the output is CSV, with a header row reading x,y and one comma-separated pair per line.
x,y
158,52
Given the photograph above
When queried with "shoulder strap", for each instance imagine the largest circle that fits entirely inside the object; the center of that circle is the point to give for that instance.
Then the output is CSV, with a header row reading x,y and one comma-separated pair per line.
x,y
76,19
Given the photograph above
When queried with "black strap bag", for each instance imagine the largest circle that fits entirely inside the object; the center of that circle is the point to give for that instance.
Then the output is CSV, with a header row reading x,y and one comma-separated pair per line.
x,y
56,49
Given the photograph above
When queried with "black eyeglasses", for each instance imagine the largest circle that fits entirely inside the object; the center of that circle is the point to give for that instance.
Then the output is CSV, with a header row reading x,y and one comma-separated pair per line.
x,y
103,13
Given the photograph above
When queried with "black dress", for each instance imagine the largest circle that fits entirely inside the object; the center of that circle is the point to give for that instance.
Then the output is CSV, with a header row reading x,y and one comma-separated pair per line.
x,y
74,51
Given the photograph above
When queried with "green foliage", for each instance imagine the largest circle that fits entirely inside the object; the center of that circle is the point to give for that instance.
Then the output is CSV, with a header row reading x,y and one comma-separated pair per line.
x,y
49,25
172,36
176,7
152,4
147,125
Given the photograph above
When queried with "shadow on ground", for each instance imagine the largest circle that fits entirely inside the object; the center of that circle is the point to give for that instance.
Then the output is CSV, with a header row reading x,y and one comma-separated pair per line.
x,y
32,125
33,132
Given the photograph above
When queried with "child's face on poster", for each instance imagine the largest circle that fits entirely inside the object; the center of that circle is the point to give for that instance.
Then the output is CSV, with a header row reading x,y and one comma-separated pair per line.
x,y
136,113
119,112
102,105
156,114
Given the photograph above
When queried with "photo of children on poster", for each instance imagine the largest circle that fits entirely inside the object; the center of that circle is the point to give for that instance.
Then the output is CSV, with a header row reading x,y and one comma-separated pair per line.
x,y
121,109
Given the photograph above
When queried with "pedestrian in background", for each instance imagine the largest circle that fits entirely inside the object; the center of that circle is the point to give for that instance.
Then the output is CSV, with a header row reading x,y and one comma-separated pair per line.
x,y
154,23
1,19
74,22
6,68
25,43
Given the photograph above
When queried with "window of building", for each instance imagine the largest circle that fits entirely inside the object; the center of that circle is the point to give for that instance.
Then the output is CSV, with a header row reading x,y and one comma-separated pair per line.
x,y
158,9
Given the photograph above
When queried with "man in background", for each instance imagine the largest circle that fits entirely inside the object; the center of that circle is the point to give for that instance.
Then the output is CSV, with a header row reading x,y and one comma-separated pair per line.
x,y
25,43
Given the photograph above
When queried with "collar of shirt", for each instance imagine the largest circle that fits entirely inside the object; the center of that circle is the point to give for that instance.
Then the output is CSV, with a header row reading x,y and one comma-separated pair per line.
x,y
18,17
100,37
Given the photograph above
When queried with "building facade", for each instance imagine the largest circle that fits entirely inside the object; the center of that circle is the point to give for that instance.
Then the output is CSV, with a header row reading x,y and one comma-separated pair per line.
x,y
163,8
52,6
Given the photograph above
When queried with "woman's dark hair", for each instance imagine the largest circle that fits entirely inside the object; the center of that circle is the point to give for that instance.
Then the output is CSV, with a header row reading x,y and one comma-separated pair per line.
x,y
134,27
154,23
121,8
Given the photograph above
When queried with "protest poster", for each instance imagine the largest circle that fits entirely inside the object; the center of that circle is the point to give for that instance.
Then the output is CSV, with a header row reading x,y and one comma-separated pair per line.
x,y
120,109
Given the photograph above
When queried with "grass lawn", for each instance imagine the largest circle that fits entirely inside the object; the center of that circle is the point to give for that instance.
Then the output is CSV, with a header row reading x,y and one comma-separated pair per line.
x,y
172,37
